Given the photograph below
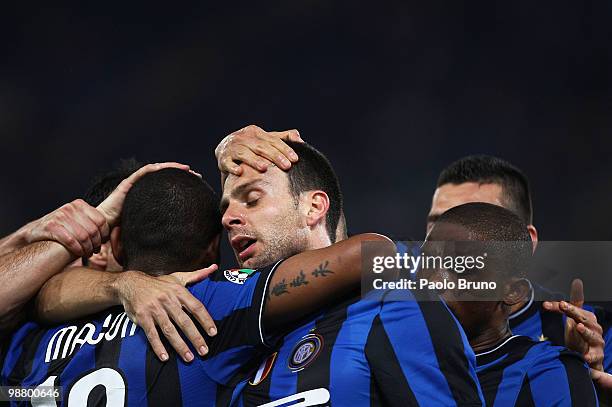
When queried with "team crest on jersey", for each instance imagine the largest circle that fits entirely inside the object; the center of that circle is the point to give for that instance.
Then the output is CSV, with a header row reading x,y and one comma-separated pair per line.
x,y
238,276
264,369
305,352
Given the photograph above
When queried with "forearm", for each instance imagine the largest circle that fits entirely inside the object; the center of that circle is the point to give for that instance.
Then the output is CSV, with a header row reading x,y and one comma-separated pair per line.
x,y
14,241
61,298
25,270
307,282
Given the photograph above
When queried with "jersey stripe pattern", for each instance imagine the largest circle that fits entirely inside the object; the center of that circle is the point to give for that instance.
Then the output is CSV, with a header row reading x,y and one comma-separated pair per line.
x,y
106,360
537,323
396,352
542,325
524,372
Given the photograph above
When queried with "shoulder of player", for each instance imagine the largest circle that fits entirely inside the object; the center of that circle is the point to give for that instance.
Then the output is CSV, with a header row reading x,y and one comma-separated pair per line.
x,y
230,279
234,275
533,357
507,353
545,357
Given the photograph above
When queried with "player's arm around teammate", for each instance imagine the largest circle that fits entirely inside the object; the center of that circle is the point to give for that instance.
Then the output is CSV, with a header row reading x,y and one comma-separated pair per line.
x,y
62,297
260,149
50,227
155,301
74,230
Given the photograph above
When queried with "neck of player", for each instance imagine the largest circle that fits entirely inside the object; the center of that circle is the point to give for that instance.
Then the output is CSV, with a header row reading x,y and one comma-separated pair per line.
x,y
490,335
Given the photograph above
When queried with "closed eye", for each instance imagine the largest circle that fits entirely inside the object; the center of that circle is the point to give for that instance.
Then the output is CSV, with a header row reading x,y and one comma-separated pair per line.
x,y
252,197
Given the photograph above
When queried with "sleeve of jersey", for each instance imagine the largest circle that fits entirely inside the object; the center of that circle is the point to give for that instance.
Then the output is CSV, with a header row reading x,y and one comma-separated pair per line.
x,y
417,352
560,381
235,300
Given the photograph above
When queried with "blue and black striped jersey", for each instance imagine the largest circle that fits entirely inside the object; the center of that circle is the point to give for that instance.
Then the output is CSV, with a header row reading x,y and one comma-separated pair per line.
x,y
396,352
524,372
106,360
541,325
537,323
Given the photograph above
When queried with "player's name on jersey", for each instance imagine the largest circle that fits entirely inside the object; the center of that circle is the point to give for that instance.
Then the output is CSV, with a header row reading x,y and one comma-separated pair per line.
x,y
423,283
66,340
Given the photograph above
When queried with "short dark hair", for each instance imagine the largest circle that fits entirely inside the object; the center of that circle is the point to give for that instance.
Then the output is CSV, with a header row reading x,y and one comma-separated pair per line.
x,y
104,184
486,169
313,171
506,231
168,220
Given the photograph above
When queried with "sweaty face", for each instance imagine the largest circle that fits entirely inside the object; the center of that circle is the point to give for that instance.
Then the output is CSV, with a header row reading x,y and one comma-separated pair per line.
x,y
450,195
263,221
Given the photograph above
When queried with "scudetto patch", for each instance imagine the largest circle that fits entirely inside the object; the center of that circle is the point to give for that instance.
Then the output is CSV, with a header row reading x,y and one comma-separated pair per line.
x,y
305,352
264,369
238,276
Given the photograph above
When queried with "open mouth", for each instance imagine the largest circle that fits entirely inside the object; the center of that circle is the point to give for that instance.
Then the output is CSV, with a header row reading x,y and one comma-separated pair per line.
x,y
244,246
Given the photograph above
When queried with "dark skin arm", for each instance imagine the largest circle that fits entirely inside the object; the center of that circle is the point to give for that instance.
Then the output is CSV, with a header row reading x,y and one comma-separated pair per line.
x,y
149,302
62,296
309,290
301,285
311,280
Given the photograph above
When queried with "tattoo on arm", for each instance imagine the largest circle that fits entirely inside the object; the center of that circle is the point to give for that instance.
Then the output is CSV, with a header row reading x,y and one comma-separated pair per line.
x,y
322,270
279,289
299,280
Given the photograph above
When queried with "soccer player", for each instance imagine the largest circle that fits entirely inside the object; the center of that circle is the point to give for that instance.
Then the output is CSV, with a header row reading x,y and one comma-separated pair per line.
x,y
72,231
358,352
495,181
512,369
71,226
274,214
170,221
471,179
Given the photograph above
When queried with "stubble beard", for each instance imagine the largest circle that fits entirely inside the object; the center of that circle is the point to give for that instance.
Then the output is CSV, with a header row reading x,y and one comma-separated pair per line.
x,y
280,241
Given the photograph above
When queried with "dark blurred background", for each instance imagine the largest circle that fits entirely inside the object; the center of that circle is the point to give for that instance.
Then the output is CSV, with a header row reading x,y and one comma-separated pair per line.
x,y
391,92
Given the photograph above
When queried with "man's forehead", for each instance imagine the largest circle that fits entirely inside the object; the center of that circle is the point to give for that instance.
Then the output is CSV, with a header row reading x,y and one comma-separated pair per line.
x,y
450,195
447,231
251,177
